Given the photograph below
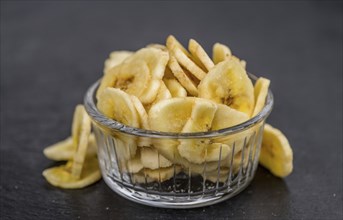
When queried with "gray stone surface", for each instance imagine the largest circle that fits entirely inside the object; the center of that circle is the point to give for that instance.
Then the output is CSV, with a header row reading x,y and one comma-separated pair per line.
x,y
52,51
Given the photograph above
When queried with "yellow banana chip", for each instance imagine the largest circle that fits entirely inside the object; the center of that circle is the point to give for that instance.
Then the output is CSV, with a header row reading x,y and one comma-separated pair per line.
x,y
139,75
182,76
172,43
116,58
188,64
220,53
79,171
162,174
229,84
152,159
81,129
175,88
276,154
200,54
260,92
162,94
65,150
62,177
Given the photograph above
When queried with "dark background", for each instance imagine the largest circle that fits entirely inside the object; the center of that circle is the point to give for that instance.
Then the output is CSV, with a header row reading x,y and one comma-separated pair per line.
x,y
51,52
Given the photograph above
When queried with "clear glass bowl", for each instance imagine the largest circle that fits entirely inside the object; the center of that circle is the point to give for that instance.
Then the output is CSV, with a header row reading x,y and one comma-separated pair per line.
x,y
168,180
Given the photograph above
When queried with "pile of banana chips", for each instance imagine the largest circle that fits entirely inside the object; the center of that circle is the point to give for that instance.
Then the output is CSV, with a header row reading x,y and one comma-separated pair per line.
x,y
169,88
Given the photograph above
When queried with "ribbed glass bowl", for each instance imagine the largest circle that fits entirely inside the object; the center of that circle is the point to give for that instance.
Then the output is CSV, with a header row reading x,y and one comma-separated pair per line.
x,y
174,182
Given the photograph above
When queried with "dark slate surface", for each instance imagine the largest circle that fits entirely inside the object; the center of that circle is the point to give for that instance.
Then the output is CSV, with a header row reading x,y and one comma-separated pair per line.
x,y
51,52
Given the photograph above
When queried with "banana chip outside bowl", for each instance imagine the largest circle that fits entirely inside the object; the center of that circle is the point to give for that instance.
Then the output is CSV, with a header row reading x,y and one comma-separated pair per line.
x,y
146,166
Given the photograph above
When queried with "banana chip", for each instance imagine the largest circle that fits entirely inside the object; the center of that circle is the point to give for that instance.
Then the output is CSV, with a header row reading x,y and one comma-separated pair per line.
x,y
276,154
185,59
62,177
261,92
200,120
81,129
133,165
139,75
170,115
175,88
220,53
200,54
229,84
151,159
181,75
118,105
64,150
162,94
162,174
116,58
82,168
188,64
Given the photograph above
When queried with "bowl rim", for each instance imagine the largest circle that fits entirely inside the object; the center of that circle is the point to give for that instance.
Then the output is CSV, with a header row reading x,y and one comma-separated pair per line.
x,y
104,121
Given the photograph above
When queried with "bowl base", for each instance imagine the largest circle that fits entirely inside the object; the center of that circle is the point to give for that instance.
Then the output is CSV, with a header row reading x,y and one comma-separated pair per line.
x,y
172,201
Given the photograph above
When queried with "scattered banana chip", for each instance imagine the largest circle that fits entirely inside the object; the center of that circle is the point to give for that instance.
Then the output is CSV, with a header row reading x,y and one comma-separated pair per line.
x,y
229,84
64,150
260,92
116,58
62,177
81,129
78,172
82,167
276,153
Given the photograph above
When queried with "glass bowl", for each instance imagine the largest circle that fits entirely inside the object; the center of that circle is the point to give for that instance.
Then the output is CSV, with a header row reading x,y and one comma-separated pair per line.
x,y
168,180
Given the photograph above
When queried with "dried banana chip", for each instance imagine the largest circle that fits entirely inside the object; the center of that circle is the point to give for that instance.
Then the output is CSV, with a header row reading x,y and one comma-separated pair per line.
x,y
62,177
229,84
220,53
81,129
260,92
200,54
182,76
276,153
116,58
65,150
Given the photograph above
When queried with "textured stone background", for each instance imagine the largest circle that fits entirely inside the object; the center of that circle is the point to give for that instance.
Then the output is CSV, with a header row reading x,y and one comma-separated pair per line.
x,y
51,52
